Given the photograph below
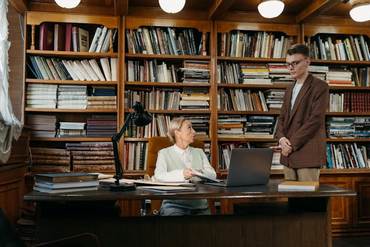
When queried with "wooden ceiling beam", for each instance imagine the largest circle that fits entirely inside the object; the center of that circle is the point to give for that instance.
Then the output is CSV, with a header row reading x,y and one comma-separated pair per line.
x,y
120,7
80,9
315,8
20,5
219,8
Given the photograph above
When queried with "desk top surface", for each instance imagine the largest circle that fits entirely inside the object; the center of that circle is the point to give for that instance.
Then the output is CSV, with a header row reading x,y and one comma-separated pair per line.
x,y
202,191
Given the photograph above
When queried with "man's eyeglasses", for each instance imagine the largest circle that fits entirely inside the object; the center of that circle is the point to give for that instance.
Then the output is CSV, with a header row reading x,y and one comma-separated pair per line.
x,y
294,63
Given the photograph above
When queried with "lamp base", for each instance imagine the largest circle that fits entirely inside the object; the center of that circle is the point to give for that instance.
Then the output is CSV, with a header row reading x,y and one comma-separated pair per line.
x,y
122,187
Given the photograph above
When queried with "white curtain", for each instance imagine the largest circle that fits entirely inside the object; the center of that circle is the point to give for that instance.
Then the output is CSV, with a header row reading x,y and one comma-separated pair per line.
x,y
10,126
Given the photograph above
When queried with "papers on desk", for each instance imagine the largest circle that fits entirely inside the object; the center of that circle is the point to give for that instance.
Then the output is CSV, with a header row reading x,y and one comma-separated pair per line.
x,y
142,182
167,188
204,177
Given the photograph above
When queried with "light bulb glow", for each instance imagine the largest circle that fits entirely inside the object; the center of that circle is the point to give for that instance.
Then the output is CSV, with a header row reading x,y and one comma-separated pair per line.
x,y
271,8
360,12
68,4
172,6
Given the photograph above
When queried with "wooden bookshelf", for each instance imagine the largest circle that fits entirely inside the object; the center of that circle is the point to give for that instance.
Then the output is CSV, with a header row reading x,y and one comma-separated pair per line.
x,y
88,24
168,84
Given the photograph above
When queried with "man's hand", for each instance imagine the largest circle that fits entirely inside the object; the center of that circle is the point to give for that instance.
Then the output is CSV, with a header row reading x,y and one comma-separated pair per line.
x,y
286,146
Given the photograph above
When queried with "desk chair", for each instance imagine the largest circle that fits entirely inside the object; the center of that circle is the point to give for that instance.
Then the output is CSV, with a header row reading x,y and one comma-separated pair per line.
x,y
9,237
154,145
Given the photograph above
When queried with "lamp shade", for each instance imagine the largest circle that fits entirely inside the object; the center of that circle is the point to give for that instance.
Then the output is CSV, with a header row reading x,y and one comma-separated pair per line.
x,y
360,12
172,6
68,4
271,8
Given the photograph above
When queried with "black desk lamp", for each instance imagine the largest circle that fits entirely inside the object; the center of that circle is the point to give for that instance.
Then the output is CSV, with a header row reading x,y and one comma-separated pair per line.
x,y
140,117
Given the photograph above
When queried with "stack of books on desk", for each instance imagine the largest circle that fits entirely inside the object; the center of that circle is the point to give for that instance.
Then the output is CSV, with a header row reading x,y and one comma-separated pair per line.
x,y
65,182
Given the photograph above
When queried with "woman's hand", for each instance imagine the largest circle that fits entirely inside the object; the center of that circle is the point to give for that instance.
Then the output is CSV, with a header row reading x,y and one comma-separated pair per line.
x,y
188,173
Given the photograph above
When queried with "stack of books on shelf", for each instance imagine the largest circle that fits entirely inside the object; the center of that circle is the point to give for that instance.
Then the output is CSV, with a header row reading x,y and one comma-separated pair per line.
x,y
41,96
231,127
101,125
339,77
72,97
151,71
260,127
194,100
101,102
65,182
136,156
339,47
274,98
91,156
200,124
254,74
228,73
319,71
279,73
356,127
71,129
101,91
70,37
158,99
350,102
78,70
254,44
347,155
195,71
42,125
164,40
242,100
50,159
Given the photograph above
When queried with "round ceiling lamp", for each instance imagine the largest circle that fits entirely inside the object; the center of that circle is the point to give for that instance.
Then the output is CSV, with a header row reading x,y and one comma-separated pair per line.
x,y
172,6
68,4
271,8
360,11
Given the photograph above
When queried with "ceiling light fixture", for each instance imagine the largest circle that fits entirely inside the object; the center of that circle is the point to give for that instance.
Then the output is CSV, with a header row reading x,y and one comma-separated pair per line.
x,y
68,4
172,6
271,8
360,11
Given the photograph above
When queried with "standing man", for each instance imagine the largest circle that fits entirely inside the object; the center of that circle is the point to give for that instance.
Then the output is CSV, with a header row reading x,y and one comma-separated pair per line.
x,y
301,124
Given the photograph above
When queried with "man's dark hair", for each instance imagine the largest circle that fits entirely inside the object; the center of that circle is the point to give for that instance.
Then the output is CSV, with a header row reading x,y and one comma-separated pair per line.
x,y
299,49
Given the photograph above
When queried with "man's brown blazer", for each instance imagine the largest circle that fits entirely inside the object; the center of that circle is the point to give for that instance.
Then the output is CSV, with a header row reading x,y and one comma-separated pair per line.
x,y
304,125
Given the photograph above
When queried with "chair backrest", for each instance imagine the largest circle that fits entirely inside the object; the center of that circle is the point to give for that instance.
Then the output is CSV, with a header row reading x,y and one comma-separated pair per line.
x,y
157,143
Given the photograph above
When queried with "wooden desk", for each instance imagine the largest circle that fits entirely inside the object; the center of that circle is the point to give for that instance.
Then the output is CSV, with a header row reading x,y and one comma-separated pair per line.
x,y
285,219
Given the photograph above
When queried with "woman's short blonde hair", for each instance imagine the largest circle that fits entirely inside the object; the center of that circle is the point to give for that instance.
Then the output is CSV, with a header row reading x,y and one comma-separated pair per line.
x,y
175,124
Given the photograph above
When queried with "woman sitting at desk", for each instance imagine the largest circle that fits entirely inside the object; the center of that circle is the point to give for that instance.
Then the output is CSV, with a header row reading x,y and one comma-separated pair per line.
x,y
176,164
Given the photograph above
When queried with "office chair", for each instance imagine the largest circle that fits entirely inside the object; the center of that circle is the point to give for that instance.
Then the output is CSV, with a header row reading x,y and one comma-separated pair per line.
x,y
154,145
10,238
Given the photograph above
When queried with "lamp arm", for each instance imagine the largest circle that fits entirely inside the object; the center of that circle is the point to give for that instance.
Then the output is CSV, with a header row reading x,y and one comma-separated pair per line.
x,y
115,140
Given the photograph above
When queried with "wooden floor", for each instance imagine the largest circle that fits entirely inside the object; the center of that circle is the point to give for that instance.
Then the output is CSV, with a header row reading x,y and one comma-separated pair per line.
x,y
352,242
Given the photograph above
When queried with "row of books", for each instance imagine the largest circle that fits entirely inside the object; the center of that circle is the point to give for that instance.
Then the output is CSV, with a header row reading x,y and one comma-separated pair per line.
x,y
347,155
136,156
253,44
69,37
354,127
242,73
248,100
78,70
70,96
166,40
349,102
159,126
246,127
167,99
325,47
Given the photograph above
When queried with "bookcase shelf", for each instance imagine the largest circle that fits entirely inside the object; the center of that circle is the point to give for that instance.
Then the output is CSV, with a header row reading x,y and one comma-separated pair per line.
x,y
349,88
175,111
70,110
348,114
251,59
166,57
249,112
72,54
244,139
71,139
71,82
347,139
254,86
340,62
167,84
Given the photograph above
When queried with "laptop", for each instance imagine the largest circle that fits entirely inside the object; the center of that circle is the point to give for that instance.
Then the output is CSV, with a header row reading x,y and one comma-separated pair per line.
x,y
248,167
